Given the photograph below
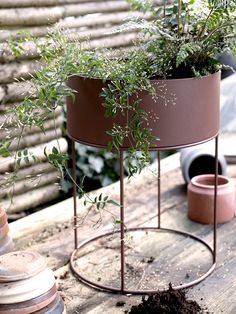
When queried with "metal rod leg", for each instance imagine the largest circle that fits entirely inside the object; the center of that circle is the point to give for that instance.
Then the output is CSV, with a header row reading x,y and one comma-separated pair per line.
x,y
215,200
122,223
74,194
159,190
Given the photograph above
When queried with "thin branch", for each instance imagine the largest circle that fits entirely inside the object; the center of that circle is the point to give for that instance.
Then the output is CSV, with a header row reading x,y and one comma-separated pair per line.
x,y
216,30
205,24
179,16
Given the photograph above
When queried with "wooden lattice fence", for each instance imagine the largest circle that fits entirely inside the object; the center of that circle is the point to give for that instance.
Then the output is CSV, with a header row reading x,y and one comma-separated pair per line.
x,y
91,20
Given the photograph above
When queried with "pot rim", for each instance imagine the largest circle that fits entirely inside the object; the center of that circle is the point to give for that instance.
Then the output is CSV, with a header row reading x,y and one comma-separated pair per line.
x,y
151,79
198,181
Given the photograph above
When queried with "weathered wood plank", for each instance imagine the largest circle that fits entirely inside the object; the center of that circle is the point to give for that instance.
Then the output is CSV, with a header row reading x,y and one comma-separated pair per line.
x,y
101,19
56,243
30,140
8,118
29,172
50,124
28,3
27,184
95,28
14,92
15,71
50,15
30,16
219,286
7,164
63,211
34,198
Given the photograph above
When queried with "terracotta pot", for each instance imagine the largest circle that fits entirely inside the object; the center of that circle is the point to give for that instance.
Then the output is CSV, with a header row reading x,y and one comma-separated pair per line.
x,y
3,217
27,289
185,112
32,305
201,199
4,230
20,265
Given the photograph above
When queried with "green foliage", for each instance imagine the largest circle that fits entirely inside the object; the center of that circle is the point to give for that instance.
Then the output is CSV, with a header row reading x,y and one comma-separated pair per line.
x,y
98,167
186,36
57,159
140,5
182,40
5,148
16,47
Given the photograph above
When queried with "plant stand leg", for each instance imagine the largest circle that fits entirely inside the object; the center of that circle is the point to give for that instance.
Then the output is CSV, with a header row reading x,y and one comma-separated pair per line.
x,y
122,223
123,229
158,190
74,194
215,201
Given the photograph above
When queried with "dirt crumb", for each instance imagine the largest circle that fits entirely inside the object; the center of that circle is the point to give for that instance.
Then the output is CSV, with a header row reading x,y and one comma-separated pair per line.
x,y
167,302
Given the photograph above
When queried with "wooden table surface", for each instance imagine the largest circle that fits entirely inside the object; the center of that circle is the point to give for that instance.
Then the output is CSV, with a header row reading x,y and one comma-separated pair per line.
x,y
153,259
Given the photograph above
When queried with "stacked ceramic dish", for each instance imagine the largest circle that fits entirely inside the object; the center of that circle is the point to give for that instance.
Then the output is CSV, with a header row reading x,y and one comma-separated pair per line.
x,y
6,244
27,285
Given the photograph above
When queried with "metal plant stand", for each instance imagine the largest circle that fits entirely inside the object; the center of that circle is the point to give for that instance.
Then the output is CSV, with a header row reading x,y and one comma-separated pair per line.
x,y
158,228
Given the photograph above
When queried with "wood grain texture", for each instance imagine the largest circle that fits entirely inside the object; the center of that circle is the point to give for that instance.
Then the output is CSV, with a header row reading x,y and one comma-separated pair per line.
x,y
174,258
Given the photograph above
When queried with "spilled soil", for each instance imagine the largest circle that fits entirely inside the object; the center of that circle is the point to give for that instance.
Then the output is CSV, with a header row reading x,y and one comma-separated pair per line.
x,y
167,302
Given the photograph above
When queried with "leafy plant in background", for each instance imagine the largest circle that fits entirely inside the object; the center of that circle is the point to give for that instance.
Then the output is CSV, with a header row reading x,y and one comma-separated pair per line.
x,y
185,37
183,40
98,167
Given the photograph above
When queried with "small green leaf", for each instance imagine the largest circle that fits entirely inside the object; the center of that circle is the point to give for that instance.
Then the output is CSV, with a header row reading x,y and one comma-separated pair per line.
x,y
26,159
113,202
55,150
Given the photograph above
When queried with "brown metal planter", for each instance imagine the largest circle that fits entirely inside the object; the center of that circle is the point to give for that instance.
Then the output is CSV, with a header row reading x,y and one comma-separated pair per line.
x,y
185,112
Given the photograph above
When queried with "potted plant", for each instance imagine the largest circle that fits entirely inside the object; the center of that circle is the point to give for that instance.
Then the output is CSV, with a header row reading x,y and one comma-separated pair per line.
x,y
164,93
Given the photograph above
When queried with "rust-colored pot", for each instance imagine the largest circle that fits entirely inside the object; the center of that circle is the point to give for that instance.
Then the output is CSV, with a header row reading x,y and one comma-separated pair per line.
x,y
185,112
4,228
201,199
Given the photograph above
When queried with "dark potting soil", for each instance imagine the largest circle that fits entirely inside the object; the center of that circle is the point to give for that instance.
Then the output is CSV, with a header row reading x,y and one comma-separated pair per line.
x,y
167,302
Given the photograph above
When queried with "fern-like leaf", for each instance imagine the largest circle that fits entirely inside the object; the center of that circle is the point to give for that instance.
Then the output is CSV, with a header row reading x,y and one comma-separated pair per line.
x,y
186,50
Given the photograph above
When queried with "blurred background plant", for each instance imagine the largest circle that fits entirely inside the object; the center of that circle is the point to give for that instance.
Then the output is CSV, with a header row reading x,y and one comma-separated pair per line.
x,y
97,167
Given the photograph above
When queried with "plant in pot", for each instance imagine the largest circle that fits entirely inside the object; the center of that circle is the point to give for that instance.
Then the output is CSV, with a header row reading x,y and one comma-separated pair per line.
x,y
162,94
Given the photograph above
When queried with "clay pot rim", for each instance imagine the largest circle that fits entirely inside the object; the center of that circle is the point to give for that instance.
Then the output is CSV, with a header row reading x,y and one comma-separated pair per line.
x,y
152,79
7,266
200,181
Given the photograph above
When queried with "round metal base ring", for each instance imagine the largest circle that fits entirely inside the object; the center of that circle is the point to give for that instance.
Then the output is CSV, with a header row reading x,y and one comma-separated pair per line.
x,y
127,291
